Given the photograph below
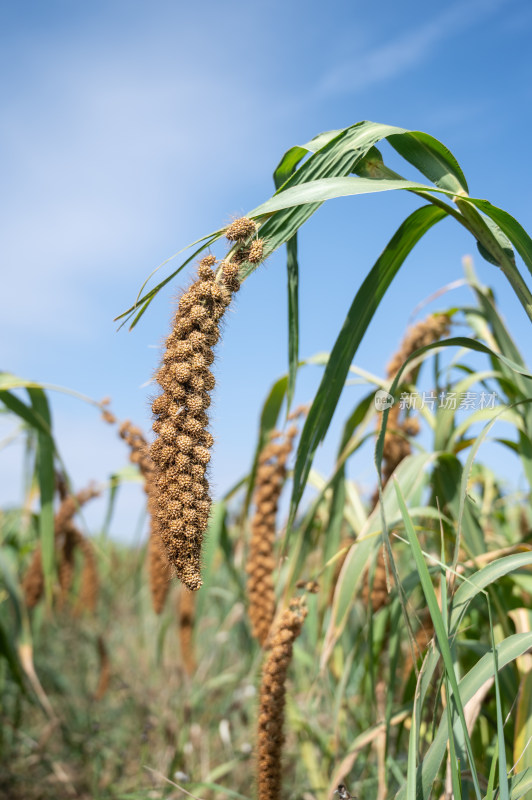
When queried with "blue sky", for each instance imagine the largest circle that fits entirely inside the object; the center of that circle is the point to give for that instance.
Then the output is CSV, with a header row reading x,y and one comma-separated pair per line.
x,y
129,129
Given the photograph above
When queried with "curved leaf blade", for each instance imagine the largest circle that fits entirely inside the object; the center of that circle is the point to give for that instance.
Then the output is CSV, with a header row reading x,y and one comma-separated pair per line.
x,y
358,318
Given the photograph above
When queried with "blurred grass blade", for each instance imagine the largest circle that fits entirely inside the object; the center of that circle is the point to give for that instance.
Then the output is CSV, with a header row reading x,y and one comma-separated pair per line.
x,y
27,413
521,784
283,172
8,650
480,580
507,651
46,477
458,341
503,771
412,474
292,269
522,749
453,761
439,627
358,318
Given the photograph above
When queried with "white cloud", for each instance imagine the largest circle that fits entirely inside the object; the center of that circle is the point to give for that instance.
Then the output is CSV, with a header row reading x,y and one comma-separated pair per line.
x,y
408,50
104,155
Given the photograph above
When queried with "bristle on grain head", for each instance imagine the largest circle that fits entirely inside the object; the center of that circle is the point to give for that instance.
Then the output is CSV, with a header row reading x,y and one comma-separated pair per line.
x,y
181,450
269,481
240,230
270,737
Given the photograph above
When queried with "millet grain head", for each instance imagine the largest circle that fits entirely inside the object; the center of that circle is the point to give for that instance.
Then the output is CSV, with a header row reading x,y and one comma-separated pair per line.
x,y
33,580
67,538
396,445
270,738
181,450
269,481
240,230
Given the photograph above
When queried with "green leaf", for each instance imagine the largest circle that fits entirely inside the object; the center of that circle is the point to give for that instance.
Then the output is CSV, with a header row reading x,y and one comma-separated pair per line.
x,y
23,411
358,318
46,475
292,269
431,158
510,649
439,627
480,580
521,783
318,191
510,227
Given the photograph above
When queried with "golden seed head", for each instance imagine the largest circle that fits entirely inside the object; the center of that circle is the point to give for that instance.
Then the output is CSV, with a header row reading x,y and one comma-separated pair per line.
x,y
208,380
184,443
197,383
182,462
203,506
108,416
240,229
255,254
189,514
198,402
186,302
173,508
206,261
230,271
160,404
166,431
220,294
197,339
208,439
176,526
179,351
197,471
192,425
198,313
174,490
198,362
181,371
202,454
197,489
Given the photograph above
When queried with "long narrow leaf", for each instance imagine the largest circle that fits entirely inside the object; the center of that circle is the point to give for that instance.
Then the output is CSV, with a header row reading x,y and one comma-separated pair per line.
x,y
45,471
358,318
439,627
510,649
